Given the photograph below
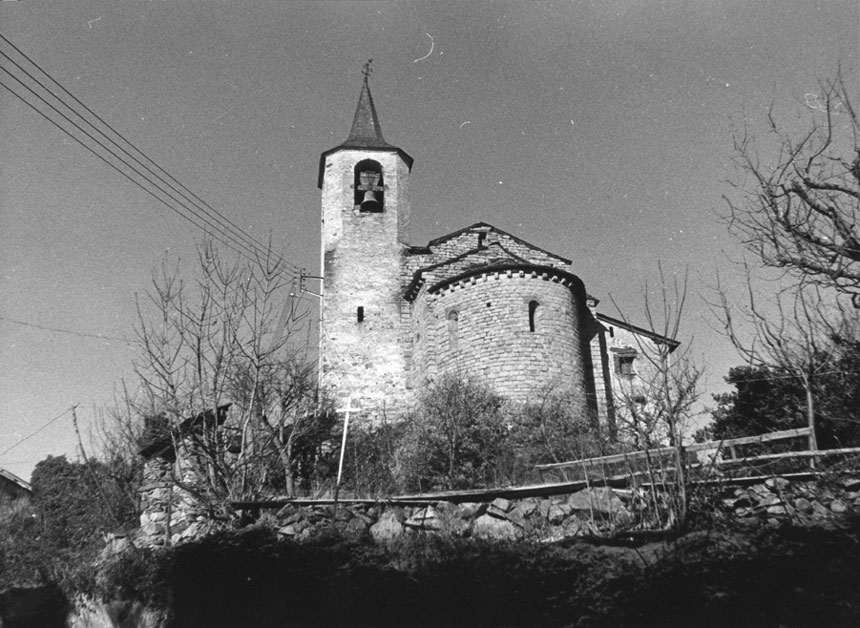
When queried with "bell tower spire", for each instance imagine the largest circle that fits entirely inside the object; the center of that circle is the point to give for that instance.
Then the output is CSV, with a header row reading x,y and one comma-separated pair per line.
x,y
366,130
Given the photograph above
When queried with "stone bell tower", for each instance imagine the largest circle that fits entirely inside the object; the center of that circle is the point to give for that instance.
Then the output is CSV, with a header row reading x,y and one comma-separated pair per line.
x,y
364,215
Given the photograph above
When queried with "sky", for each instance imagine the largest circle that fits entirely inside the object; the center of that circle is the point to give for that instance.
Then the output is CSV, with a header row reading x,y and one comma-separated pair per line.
x,y
601,131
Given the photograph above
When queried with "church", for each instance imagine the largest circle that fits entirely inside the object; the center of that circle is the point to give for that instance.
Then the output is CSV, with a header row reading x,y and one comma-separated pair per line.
x,y
478,302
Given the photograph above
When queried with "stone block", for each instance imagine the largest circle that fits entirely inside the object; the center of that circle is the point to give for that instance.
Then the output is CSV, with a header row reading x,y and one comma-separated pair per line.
x,y
803,505
388,527
425,519
850,483
528,506
777,484
769,500
469,510
819,510
779,509
488,527
557,514
517,517
838,506
287,511
501,504
357,525
602,500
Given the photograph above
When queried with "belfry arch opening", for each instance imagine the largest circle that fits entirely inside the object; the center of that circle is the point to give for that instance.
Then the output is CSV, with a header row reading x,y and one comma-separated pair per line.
x,y
369,187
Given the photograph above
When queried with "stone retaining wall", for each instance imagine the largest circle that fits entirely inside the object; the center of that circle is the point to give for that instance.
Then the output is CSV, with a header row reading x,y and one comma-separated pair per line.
x,y
597,511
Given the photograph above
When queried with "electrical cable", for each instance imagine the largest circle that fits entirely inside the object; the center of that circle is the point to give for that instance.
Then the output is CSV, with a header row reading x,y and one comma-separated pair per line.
x,y
63,331
218,215
222,225
243,250
32,434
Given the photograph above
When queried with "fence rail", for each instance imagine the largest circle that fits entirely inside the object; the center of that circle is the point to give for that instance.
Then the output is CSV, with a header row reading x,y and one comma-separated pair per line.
x,y
713,458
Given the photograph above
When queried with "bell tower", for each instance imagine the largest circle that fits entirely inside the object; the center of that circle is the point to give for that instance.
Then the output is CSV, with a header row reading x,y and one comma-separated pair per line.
x,y
364,215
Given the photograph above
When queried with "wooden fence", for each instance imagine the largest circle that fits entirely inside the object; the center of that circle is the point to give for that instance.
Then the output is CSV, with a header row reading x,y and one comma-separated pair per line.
x,y
724,458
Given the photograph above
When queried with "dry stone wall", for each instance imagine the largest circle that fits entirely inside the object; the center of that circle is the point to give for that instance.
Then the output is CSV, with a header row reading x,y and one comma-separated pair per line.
x,y
597,511
169,514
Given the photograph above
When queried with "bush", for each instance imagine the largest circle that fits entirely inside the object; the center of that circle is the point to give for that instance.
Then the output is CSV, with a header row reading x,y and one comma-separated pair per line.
x,y
457,438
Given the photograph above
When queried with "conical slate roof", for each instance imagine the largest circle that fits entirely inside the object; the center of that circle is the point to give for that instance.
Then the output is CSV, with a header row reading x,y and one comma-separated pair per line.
x,y
366,132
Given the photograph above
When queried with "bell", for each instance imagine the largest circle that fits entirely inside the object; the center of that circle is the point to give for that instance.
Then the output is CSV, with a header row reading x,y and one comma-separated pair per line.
x,y
370,203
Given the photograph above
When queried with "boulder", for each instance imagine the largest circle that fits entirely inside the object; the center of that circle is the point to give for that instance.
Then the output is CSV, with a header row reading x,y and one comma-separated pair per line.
x,y
558,513
469,510
600,499
803,505
740,501
850,483
516,517
779,509
501,504
286,511
528,506
388,527
820,511
776,484
544,507
768,501
488,527
357,525
838,506
425,519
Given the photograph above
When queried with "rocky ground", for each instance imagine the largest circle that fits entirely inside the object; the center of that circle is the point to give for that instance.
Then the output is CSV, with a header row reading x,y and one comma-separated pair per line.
x,y
775,553
770,576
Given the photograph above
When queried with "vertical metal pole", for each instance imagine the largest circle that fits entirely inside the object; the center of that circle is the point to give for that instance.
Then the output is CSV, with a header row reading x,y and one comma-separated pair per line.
x,y
346,412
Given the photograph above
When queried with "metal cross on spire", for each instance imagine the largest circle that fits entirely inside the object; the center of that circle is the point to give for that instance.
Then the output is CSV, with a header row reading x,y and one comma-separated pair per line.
x,y
366,69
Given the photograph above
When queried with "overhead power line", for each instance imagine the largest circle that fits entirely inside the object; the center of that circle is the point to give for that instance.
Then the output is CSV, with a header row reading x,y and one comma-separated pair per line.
x,y
33,433
63,331
182,201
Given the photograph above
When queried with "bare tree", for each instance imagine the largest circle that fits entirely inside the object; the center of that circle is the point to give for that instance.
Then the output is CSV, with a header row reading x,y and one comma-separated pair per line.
x,y
219,364
655,403
797,205
790,328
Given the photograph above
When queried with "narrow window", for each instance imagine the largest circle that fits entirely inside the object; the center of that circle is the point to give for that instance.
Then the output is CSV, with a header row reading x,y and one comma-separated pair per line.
x,y
360,313
482,238
533,306
453,322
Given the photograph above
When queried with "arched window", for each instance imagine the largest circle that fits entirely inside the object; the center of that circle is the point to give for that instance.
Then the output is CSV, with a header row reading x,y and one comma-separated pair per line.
x,y
369,187
533,307
453,322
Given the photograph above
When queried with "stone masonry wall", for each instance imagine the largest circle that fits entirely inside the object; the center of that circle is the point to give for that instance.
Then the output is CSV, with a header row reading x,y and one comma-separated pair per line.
x,y
362,258
491,338
168,514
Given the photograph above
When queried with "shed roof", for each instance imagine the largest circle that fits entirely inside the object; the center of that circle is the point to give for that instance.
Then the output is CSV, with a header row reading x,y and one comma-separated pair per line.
x,y
14,479
641,331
